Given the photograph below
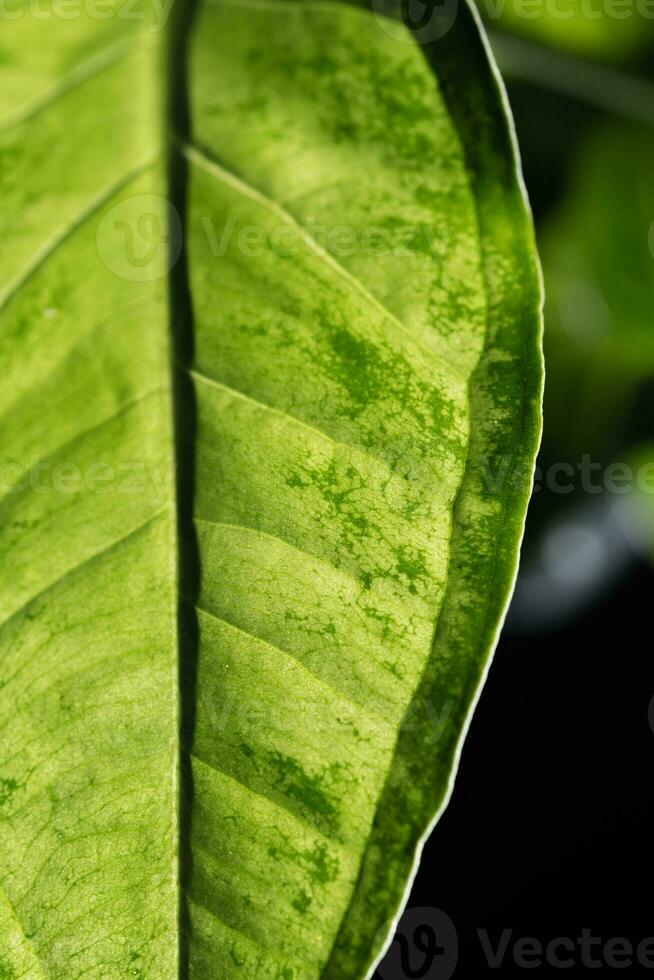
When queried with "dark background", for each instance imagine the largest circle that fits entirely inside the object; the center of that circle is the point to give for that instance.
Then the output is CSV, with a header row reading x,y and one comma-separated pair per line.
x,y
549,830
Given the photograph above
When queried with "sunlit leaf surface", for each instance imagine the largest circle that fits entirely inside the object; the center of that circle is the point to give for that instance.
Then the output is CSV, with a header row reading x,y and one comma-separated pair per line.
x,y
269,492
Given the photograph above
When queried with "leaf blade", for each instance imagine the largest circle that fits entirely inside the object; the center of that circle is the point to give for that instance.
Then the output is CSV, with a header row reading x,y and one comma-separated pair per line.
x,y
329,464
279,172
88,674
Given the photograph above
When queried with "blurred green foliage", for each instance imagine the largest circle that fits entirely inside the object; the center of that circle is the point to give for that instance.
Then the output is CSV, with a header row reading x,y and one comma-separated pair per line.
x,y
639,509
598,258
605,30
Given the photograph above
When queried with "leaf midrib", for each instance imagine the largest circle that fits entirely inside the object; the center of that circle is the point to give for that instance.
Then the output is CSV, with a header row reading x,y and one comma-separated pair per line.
x,y
206,161
178,528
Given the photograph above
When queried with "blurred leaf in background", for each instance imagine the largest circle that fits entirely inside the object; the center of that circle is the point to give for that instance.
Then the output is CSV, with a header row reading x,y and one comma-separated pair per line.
x,y
597,252
638,507
605,30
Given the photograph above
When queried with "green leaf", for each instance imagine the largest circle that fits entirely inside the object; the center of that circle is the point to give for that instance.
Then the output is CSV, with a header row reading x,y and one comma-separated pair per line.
x,y
269,496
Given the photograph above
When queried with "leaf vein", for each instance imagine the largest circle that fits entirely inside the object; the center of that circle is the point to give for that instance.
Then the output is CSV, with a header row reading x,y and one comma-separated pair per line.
x,y
50,247
279,540
376,718
202,159
217,770
82,564
16,490
377,461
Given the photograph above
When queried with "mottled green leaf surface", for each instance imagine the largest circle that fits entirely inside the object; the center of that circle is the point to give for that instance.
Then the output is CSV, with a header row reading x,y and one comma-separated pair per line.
x,y
340,384
88,664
